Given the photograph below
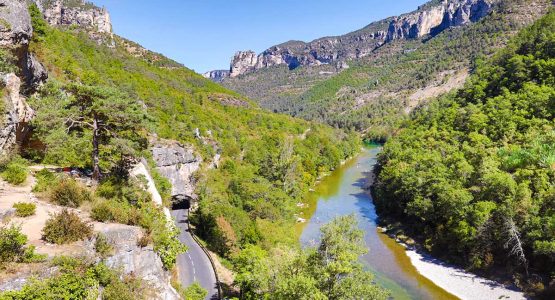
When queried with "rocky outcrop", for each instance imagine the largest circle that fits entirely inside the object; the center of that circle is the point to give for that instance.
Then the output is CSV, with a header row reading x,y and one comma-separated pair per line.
x,y
429,19
217,75
34,72
436,19
142,262
17,114
76,12
15,35
177,163
15,24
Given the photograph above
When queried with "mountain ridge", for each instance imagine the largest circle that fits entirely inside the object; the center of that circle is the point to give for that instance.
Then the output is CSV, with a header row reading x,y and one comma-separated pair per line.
x,y
430,18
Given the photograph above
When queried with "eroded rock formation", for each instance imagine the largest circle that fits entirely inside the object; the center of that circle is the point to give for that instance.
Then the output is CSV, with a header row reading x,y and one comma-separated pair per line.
x,y
177,163
430,19
17,114
76,12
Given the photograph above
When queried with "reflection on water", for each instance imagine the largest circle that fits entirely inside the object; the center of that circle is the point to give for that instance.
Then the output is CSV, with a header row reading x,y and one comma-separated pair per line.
x,y
343,193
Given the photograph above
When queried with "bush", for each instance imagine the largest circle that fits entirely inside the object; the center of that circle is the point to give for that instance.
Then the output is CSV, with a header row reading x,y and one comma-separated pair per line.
x,y
15,172
65,227
23,210
102,246
115,211
67,192
45,179
194,292
12,247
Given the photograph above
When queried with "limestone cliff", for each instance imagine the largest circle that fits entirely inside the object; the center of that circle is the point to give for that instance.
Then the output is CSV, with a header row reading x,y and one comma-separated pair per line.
x,y
216,75
177,163
15,35
429,19
13,125
75,12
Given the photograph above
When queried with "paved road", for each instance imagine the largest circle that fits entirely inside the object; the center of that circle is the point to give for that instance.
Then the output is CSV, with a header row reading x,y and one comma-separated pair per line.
x,y
194,265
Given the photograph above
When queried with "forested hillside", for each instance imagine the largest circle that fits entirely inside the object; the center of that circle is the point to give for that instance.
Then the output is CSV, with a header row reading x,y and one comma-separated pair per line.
x,y
473,175
377,91
267,160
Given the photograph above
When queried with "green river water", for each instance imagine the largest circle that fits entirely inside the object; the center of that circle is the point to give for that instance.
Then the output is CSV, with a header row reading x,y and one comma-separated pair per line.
x,y
343,193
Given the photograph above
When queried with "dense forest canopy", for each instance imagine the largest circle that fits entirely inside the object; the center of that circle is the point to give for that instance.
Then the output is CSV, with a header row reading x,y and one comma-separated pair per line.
x,y
474,173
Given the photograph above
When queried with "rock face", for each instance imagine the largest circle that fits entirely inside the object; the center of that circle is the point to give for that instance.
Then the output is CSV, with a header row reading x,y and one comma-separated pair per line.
x,y
431,18
75,12
436,19
177,163
15,24
142,262
13,126
217,75
15,33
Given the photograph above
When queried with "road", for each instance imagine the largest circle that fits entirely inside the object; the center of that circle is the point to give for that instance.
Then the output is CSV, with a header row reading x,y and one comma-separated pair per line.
x,y
194,265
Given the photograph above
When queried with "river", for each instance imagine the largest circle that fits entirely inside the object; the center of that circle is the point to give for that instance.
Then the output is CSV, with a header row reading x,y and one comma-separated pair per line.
x,y
343,193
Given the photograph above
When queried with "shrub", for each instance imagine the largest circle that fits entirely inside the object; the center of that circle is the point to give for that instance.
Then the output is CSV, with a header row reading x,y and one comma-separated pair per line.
x,y
12,247
15,172
24,209
12,243
45,180
67,192
102,246
115,211
194,292
65,227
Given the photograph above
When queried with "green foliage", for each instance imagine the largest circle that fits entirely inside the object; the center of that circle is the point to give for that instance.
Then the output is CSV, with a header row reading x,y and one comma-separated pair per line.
x,y
44,181
68,192
65,227
15,172
127,202
273,159
102,246
193,292
331,271
24,209
78,279
12,247
37,21
475,169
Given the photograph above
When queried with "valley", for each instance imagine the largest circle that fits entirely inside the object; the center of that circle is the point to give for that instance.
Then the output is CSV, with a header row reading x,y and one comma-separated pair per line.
x,y
413,158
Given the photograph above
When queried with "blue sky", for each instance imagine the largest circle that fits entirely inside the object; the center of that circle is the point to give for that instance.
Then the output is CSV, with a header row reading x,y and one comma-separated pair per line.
x,y
204,34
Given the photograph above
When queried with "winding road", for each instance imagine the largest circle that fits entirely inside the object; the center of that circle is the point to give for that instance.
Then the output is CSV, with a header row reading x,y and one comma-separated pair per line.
x,y
194,265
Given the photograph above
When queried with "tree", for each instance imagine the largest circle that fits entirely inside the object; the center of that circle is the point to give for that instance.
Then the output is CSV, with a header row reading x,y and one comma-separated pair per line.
x,y
92,126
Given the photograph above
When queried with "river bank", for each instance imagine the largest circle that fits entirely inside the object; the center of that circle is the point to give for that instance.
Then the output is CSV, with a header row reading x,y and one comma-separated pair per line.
x,y
459,282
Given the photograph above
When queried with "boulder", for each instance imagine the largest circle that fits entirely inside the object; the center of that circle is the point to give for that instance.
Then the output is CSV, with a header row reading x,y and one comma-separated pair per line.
x,y
6,214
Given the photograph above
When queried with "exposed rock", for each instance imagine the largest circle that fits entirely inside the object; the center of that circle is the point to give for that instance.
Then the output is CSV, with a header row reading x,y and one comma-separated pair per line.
x,y
130,258
217,75
15,24
34,72
436,19
432,18
6,214
18,280
76,12
177,163
242,62
18,113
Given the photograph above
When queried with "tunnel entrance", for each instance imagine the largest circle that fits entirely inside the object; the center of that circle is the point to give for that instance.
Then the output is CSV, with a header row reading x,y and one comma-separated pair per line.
x,y
180,202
